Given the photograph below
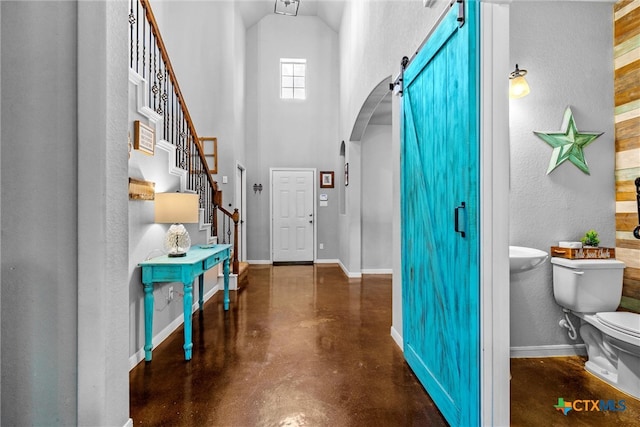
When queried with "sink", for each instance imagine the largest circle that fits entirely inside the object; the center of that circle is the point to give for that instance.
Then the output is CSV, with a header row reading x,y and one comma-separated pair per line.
x,y
525,259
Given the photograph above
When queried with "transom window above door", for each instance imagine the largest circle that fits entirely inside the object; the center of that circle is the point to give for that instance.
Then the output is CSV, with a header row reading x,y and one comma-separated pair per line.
x,y
292,78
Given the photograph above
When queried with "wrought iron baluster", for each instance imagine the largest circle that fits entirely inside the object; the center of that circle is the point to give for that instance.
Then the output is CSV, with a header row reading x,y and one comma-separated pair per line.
x,y
132,21
152,74
163,84
225,226
137,36
183,142
144,47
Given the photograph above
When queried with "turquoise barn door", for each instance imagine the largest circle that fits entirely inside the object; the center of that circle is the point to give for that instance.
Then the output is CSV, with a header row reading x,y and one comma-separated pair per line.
x,y
439,202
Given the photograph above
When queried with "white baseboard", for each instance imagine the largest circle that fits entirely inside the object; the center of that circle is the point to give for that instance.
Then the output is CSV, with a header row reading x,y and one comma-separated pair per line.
x,y
259,261
377,271
397,338
548,351
233,281
327,261
129,423
171,327
347,273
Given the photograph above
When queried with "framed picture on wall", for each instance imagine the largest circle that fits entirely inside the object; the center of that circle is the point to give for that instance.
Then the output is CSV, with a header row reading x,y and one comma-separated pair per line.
x,y
326,179
346,174
209,146
144,138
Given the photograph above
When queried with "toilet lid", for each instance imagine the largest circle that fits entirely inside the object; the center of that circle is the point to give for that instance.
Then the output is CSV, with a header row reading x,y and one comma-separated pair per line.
x,y
623,321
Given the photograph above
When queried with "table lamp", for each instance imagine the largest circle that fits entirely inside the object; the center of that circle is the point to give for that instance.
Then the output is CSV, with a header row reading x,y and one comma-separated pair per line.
x,y
175,209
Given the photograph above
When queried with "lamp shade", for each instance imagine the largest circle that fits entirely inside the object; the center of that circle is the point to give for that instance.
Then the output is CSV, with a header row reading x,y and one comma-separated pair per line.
x,y
518,88
174,208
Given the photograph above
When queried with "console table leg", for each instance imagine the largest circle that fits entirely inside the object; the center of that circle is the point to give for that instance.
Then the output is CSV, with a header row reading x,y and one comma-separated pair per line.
x,y
187,303
201,291
148,321
226,284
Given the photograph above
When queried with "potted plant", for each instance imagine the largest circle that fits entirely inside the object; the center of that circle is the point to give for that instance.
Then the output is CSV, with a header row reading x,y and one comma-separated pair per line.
x,y
590,239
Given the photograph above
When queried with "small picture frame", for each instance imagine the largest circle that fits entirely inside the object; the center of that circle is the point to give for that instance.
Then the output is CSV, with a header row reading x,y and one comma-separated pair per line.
x,y
326,179
144,138
346,174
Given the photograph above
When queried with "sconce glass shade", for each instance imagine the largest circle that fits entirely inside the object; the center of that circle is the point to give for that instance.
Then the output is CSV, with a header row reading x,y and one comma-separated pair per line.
x,y
176,208
518,86
286,7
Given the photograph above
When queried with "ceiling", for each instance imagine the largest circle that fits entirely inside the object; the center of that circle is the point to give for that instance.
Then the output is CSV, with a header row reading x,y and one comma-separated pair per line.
x,y
378,109
330,11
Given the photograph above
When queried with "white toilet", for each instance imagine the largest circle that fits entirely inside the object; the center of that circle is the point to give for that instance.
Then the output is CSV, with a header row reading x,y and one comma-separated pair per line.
x,y
592,289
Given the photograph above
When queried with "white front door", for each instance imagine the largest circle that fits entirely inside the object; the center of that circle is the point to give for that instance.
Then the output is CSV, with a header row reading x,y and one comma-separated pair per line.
x,y
292,215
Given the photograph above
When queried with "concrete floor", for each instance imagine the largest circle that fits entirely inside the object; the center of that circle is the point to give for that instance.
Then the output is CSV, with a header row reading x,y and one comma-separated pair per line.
x,y
537,384
300,346
305,346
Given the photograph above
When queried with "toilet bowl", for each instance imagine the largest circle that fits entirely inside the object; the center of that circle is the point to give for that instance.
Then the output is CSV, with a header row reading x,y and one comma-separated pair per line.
x,y
592,289
613,349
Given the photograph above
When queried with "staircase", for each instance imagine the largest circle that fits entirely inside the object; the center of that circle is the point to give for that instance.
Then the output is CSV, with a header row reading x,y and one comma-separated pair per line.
x,y
161,100
243,274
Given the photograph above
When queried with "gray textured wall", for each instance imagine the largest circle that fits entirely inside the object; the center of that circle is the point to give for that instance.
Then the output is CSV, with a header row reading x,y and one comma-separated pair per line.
x,y
567,48
64,214
39,257
377,208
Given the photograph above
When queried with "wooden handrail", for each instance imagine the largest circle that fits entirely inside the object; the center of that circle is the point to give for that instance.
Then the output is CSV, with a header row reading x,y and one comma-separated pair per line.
x,y
217,195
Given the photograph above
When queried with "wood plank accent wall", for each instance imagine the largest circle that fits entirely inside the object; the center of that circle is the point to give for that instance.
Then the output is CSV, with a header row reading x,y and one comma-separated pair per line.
x,y
627,125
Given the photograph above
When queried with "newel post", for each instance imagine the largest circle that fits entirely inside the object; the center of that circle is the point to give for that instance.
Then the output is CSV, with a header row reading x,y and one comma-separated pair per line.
x,y
236,220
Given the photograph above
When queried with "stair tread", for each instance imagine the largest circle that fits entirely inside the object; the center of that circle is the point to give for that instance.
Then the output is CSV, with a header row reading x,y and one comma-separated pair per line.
x,y
243,273
243,267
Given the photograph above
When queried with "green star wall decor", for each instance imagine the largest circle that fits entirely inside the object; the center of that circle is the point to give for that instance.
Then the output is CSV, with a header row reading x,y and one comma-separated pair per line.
x,y
568,144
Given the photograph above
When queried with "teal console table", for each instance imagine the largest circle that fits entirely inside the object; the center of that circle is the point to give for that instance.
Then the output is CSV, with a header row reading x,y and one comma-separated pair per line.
x,y
198,260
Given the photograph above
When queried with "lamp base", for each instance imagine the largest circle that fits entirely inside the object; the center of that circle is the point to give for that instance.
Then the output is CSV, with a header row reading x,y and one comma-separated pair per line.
x,y
177,255
177,241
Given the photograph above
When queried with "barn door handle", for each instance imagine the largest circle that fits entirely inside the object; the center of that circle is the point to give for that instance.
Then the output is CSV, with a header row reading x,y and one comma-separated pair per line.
x,y
457,219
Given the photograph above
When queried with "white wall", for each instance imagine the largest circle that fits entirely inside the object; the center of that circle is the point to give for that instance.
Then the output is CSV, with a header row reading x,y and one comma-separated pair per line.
x,y
377,208
290,133
567,49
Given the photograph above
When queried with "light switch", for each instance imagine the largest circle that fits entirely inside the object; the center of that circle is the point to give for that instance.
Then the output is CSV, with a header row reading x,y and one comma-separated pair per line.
x,y
225,179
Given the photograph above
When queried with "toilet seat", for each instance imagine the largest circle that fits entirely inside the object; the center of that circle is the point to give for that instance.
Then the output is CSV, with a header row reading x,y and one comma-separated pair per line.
x,y
621,321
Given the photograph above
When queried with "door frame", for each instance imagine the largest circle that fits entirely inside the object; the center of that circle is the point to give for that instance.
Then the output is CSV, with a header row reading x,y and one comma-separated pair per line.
x,y
494,215
314,185
241,197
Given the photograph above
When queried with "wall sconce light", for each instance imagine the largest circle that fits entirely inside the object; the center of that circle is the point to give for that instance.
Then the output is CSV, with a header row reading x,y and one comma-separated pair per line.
x,y
286,7
518,86
257,188
176,208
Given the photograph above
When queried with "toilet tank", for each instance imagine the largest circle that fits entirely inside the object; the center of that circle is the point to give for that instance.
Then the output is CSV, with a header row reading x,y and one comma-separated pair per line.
x,y
587,286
